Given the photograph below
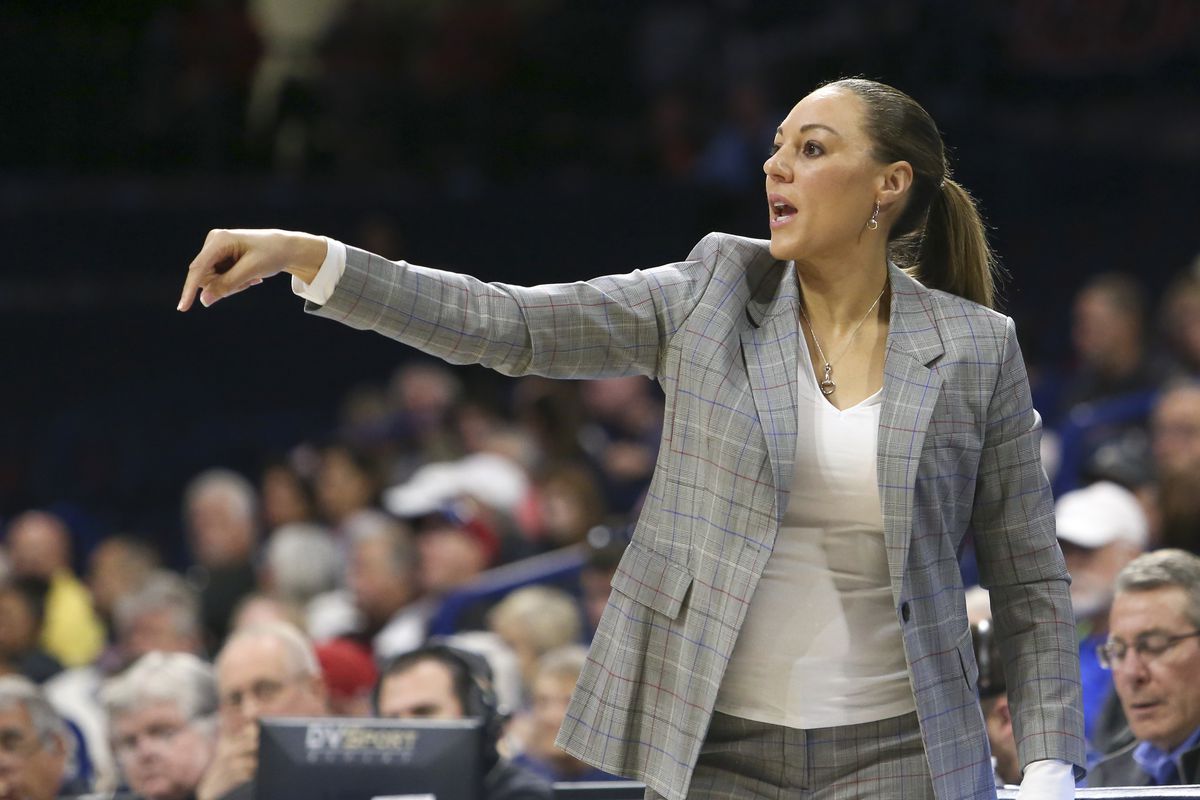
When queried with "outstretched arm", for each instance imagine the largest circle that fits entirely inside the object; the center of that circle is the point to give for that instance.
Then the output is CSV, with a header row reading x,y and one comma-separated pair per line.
x,y
610,326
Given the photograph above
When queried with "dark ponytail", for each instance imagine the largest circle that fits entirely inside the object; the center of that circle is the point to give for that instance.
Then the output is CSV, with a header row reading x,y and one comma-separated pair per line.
x,y
954,254
939,236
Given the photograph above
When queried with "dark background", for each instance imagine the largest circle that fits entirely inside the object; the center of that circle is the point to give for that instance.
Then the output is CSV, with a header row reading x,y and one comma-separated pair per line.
x,y
520,141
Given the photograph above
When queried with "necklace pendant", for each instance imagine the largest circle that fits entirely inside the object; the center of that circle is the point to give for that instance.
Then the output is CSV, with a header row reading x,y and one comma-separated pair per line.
x,y
827,385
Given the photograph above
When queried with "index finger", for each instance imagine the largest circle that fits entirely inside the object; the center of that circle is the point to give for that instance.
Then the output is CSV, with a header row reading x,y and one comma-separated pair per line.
x,y
218,251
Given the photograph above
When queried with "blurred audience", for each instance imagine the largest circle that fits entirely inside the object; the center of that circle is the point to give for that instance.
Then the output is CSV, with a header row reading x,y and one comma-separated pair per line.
x,y
39,546
117,566
350,675
1108,332
553,682
162,713
993,700
1180,314
221,510
1154,654
300,561
348,482
1175,435
287,495
384,579
22,611
533,621
605,546
162,616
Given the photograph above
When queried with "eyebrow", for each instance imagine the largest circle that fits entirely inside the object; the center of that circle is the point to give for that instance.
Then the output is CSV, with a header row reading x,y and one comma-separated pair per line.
x,y
808,127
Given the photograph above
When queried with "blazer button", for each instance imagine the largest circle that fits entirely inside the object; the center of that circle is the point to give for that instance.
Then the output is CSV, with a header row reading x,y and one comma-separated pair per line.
x,y
905,612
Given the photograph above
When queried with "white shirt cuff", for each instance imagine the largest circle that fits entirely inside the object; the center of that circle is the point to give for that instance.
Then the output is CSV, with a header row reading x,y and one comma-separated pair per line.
x,y
326,280
1048,779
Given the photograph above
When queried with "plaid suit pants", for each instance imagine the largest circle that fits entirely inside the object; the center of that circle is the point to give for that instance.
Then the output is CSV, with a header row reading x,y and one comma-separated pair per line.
x,y
746,760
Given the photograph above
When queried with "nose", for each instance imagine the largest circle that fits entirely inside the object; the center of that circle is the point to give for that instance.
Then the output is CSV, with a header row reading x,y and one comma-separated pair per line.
x,y
774,167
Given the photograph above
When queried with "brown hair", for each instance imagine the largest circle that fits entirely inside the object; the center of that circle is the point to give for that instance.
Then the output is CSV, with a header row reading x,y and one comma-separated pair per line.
x,y
939,236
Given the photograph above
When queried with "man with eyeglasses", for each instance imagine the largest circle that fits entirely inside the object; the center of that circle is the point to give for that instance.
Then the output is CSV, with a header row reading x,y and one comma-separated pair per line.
x,y
1153,650
35,745
162,717
266,670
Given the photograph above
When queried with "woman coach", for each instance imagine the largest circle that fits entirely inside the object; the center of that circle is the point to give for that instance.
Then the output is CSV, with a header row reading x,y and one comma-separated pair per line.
x,y
789,618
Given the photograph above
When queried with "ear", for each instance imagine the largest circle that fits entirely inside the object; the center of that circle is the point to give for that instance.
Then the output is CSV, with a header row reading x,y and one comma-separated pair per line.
x,y
1002,711
894,182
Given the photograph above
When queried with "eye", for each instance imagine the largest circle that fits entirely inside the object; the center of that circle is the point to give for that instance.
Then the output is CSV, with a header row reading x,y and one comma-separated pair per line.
x,y
772,149
812,149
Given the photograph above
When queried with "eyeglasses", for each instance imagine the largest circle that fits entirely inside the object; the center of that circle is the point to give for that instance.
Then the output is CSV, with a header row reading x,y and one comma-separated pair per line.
x,y
157,735
264,692
1147,646
15,742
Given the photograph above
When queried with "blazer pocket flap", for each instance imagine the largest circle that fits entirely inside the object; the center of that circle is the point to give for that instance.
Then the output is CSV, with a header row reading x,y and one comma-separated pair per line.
x,y
966,657
652,579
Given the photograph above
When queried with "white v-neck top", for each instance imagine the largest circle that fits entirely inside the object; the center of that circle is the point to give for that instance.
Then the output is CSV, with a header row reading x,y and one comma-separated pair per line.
x,y
821,644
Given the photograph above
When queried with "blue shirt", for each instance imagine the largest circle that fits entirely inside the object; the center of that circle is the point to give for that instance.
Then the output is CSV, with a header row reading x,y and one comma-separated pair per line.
x,y
1164,767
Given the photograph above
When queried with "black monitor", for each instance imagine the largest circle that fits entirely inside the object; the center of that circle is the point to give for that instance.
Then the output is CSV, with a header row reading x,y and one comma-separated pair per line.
x,y
352,758
600,790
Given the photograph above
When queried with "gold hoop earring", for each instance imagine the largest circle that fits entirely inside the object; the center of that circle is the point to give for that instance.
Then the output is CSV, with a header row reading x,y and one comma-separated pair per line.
x,y
873,222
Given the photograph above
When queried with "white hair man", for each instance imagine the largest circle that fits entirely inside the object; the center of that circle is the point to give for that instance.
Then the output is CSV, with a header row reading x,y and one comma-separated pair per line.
x,y
36,747
266,670
162,615
162,714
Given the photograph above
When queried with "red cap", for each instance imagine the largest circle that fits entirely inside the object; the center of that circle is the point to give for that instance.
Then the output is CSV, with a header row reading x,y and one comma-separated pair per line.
x,y
348,667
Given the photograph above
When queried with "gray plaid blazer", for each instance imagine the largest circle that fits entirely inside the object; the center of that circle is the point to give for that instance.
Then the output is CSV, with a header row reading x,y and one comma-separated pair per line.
x,y
958,452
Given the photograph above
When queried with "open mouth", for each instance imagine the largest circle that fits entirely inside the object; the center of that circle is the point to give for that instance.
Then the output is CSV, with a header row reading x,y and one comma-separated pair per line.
x,y
781,210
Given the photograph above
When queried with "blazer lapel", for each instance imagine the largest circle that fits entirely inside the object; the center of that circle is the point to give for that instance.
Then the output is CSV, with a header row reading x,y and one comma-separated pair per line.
x,y
770,345
910,391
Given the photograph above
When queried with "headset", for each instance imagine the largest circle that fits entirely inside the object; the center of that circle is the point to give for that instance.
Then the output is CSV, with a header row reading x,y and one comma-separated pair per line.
x,y
471,676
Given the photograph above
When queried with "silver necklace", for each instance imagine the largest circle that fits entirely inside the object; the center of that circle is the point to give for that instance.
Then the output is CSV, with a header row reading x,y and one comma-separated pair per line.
x,y
828,387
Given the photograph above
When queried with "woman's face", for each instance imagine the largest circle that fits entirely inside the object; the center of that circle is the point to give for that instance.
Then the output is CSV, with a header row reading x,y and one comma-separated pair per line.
x,y
822,181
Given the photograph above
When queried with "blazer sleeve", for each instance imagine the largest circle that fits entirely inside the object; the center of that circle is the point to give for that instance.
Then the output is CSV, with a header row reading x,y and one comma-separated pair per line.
x,y
606,327
1022,566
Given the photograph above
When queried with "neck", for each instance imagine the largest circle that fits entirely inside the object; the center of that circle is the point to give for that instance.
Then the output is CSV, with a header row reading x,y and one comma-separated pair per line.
x,y
836,296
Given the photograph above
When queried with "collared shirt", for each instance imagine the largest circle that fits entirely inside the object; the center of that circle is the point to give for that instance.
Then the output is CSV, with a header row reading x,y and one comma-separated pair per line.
x,y
1164,767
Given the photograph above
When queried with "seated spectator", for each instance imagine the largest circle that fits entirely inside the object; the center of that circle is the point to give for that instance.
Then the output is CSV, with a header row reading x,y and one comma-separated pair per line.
x,y
287,494
533,621
36,746
557,672
347,482
1108,332
1153,650
1175,437
383,578
39,546
118,566
570,504
993,700
300,561
221,508
262,671
22,609
1101,528
605,546
438,682
164,616
162,713
1180,316
350,675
